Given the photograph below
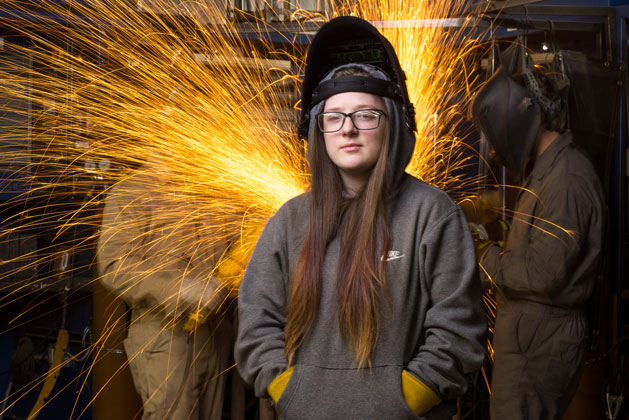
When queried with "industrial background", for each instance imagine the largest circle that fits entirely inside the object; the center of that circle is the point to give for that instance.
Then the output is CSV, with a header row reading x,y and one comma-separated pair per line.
x,y
38,298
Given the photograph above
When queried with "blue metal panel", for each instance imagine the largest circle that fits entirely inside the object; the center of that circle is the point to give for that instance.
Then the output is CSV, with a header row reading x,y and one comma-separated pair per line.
x,y
618,206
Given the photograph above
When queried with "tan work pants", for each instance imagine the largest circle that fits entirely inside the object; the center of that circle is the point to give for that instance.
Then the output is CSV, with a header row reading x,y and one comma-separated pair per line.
x,y
538,359
158,355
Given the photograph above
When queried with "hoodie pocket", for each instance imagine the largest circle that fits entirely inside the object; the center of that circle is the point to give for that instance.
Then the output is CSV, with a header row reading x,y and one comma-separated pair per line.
x,y
294,376
277,386
401,400
417,395
333,393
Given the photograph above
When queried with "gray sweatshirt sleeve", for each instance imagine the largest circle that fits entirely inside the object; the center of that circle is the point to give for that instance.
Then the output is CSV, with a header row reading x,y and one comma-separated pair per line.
x,y
455,327
259,348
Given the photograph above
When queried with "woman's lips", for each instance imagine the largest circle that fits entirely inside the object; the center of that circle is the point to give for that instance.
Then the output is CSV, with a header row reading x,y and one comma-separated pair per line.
x,y
352,147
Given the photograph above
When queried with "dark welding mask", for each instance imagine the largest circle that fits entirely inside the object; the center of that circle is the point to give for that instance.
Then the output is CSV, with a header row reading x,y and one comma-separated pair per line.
x,y
346,40
509,116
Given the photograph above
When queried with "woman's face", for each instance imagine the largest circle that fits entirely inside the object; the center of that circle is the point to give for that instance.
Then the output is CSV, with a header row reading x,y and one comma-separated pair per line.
x,y
354,151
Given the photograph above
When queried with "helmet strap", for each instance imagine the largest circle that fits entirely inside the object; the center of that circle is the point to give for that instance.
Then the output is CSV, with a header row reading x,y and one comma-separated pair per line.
x,y
363,84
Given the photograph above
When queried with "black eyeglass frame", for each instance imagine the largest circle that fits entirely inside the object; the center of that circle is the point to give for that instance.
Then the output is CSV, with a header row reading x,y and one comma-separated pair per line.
x,y
350,115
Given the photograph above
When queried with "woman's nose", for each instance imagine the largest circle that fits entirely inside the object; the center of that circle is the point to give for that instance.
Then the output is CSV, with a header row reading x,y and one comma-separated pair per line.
x,y
348,126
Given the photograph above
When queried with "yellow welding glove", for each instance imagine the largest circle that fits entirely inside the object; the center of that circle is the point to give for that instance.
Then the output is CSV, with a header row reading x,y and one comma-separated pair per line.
x,y
277,386
193,321
419,397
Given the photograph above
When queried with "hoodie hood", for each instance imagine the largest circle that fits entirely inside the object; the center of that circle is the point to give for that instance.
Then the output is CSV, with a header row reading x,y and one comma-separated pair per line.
x,y
351,41
402,141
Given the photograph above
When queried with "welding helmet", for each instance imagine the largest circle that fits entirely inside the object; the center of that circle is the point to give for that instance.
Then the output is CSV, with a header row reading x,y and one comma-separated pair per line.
x,y
509,116
352,42
346,40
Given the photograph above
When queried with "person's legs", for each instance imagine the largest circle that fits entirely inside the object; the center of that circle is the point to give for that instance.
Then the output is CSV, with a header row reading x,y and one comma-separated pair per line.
x,y
158,357
555,363
213,381
507,401
538,360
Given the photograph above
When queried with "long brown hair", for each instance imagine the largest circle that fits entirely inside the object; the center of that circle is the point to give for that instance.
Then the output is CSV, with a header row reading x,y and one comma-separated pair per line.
x,y
364,235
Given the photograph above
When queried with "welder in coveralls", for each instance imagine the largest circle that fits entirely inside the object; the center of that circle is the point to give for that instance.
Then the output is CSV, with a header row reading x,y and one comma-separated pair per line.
x,y
547,269
155,252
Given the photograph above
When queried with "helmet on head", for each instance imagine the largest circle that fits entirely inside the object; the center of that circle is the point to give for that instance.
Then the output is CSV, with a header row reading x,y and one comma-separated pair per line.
x,y
346,40
509,116
512,104
550,87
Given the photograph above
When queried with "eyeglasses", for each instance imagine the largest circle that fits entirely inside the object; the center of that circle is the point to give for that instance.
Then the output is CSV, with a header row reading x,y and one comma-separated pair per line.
x,y
363,119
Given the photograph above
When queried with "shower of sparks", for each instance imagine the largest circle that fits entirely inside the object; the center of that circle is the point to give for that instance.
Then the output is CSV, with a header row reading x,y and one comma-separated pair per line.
x,y
436,55
110,89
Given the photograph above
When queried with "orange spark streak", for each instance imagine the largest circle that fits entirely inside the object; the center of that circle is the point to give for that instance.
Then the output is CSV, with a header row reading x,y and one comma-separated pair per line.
x,y
102,102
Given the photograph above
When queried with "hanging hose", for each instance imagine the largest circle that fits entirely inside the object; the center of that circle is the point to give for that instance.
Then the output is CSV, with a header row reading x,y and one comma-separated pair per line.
x,y
60,347
52,374
615,388
615,394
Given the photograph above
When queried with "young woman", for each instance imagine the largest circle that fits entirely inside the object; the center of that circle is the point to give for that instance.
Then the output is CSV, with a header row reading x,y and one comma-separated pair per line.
x,y
362,298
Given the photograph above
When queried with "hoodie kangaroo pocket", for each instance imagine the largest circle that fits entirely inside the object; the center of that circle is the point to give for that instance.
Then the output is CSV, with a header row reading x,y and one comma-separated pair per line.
x,y
289,391
333,393
417,395
409,413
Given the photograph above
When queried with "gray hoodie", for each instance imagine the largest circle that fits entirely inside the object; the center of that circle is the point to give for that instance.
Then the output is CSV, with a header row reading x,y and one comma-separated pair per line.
x,y
434,326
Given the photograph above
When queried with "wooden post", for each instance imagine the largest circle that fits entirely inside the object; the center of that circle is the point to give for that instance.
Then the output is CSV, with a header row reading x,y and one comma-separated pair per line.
x,y
113,392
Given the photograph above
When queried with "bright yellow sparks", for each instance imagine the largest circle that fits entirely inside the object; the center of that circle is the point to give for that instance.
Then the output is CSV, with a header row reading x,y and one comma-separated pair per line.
x,y
103,87
112,86
437,57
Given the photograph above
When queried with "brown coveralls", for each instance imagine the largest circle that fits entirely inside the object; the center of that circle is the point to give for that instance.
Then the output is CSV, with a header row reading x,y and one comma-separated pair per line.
x,y
543,277
152,238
